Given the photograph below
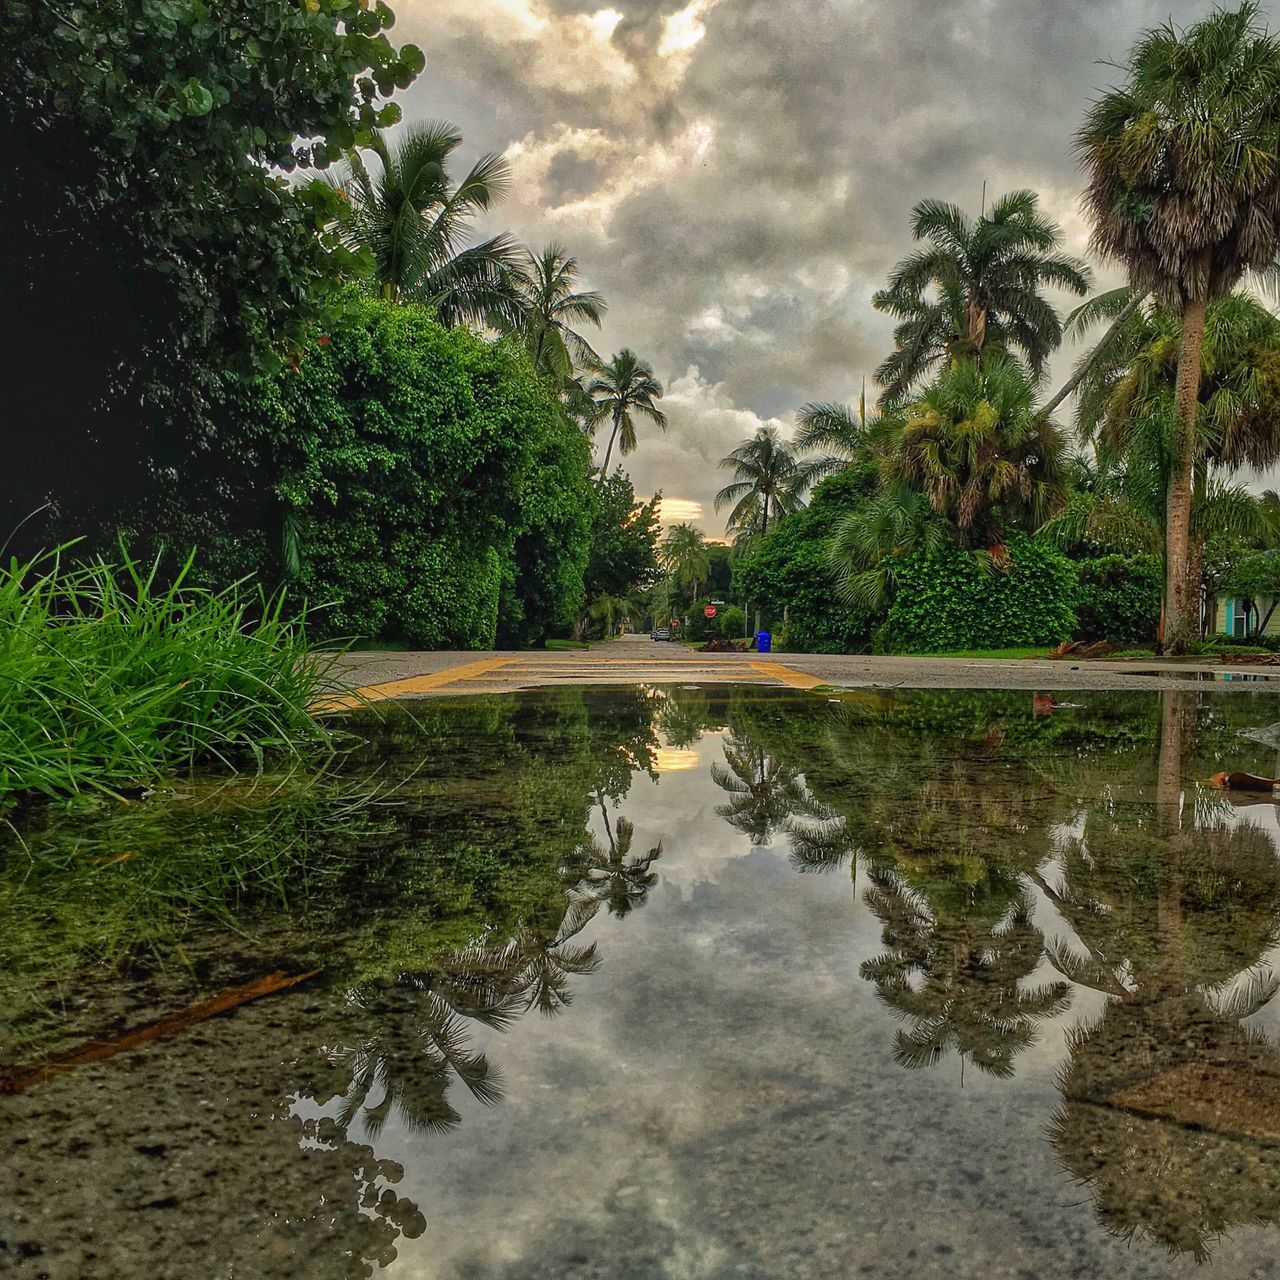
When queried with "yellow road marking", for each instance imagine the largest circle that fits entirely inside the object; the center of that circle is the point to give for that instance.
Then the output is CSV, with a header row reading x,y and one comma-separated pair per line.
x,y
414,684
789,676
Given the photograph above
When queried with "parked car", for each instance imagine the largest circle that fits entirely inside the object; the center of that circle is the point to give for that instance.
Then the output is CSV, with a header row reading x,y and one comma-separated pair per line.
x,y
662,633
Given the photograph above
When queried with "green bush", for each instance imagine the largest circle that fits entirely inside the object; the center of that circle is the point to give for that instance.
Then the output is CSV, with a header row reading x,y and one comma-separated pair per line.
x,y
433,485
1118,598
731,623
788,571
951,602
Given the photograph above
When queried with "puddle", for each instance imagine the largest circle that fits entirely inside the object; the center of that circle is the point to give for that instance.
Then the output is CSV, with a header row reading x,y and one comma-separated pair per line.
x,y
664,984
1210,677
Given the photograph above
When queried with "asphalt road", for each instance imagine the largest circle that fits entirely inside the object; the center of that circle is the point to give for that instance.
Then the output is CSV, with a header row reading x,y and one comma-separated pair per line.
x,y
639,660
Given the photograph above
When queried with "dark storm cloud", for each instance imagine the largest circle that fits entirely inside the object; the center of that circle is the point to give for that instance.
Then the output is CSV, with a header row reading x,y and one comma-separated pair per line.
x,y
738,197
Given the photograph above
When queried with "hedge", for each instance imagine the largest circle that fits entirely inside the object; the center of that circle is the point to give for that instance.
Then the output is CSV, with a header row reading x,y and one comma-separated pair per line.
x,y
1118,598
950,602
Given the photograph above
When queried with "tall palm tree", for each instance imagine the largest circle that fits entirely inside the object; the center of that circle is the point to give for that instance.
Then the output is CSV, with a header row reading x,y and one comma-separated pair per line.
x,y
768,480
975,285
623,387
1127,396
684,556
1184,190
550,306
959,978
415,222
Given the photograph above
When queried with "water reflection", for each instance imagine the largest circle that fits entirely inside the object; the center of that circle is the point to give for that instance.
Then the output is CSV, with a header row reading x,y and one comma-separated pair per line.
x,y
1060,880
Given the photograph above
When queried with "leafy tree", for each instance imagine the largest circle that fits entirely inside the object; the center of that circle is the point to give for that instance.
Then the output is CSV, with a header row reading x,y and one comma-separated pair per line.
x,y
624,387
1256,575
1184,190
788,571
550,305
624,541
975,283
435,481
685,558
414,221
543,583
768,481
149,146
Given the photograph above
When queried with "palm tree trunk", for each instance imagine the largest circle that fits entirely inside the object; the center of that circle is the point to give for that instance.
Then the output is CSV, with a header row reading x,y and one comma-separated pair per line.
x,y
604,470
975,326
1195,584
1178,506
1087,363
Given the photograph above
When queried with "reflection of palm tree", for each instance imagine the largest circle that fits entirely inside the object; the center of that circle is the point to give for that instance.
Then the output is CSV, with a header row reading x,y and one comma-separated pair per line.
x,y
765,791
413,1068
1166,1094
683,715
957,977
616,880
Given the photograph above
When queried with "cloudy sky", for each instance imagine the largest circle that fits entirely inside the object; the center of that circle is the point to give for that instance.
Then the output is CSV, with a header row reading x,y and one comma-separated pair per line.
x,y
736,176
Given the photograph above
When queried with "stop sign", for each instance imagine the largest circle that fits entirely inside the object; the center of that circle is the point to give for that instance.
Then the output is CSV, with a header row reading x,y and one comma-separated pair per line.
x,y
710,611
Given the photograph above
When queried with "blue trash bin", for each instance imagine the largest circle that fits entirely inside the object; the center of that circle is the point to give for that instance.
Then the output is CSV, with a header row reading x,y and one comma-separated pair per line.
x,y
764,643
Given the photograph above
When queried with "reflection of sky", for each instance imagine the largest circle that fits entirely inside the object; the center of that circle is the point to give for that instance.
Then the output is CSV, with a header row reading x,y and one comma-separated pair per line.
x,y
720,1100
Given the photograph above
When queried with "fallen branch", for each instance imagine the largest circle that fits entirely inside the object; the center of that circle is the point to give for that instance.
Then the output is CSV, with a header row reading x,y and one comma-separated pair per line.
x,y
17,1079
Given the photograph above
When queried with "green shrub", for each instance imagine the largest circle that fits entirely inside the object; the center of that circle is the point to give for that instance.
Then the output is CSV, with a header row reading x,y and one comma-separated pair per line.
x,y
731,623
950,602
1118,598
108,679
787,571
432,482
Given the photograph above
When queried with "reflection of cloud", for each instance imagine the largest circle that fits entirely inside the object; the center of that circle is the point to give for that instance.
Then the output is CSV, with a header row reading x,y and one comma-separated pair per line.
x,y
674,759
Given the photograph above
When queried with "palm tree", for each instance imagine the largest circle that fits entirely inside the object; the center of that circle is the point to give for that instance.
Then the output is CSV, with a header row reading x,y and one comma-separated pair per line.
x,y
1174,906
622,387
415,223
685,558
550,306
1184,190
769,481
617,879
976,449
959,977
836,433
975,285
1127,397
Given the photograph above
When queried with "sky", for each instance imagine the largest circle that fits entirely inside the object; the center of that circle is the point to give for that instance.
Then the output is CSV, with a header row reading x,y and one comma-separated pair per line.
x,y
737,176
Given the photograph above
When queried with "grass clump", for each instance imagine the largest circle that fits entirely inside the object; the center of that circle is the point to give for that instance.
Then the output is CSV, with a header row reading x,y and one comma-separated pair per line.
x,y
111,676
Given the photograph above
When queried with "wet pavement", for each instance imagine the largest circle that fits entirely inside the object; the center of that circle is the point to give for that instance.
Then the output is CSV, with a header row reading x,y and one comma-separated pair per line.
x,y
637,659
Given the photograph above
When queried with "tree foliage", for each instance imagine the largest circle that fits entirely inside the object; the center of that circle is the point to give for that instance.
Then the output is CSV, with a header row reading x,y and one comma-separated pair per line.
x,y
412,221
1118,598
788,570
623,556
975,285
431,476
149,140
